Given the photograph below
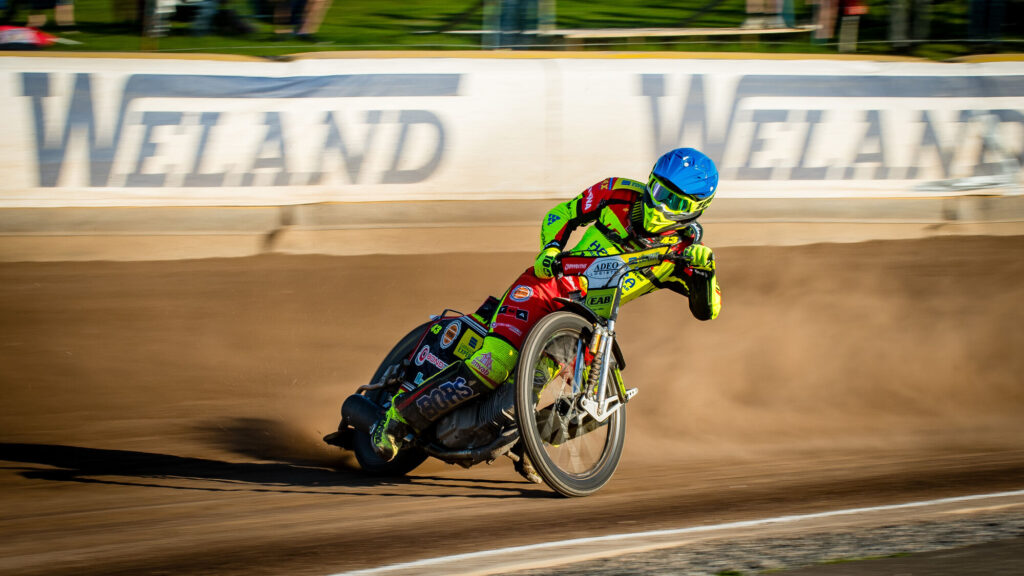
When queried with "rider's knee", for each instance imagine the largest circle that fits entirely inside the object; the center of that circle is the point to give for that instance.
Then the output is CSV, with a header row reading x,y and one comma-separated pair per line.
x,y
494,361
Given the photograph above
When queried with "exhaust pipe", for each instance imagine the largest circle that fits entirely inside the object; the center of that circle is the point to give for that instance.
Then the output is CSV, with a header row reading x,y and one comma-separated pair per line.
x,y
360,412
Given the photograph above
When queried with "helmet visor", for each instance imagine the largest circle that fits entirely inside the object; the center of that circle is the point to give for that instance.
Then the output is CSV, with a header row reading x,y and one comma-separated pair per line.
x,y
676,204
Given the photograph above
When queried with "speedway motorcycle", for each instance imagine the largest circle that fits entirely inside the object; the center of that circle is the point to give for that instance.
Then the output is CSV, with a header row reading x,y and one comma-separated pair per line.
x,y
569,396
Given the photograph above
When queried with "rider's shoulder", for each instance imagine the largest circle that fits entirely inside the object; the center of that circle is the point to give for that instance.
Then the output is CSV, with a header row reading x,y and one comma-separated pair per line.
x,y
615,184
626,184
615,187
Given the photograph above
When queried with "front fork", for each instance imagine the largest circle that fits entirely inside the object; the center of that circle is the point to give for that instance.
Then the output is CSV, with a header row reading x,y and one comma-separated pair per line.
x,y
596,400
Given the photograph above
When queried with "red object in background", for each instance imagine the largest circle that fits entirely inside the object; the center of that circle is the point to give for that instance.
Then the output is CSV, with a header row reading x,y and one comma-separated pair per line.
x,y
20,37
855,8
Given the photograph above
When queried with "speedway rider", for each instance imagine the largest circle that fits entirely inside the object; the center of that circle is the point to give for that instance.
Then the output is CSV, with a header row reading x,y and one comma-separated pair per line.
x,y
623,215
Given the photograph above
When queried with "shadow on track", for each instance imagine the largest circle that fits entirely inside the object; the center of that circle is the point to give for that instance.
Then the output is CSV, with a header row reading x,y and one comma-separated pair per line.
x,y
298,467
265,439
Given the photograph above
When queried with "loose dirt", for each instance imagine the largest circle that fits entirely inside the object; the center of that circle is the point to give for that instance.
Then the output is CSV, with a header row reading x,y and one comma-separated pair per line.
x,y
167,416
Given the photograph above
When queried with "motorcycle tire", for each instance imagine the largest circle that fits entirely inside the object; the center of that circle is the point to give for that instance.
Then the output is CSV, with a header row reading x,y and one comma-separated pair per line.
x,y
409,457
573,453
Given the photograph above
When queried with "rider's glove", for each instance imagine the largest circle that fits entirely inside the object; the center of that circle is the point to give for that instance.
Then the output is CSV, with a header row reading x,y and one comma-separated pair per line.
x,y
699,257
546,265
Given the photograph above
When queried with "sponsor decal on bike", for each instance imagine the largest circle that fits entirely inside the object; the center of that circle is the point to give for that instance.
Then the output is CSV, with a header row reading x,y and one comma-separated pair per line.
x,y
603,269
470,343
648,257
599,300
444,397
521,293
435,329
418,379
571,267
450,334
629,283
483,364
425,356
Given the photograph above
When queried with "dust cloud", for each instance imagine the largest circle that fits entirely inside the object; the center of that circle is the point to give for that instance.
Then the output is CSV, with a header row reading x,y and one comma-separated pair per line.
x,y
822,347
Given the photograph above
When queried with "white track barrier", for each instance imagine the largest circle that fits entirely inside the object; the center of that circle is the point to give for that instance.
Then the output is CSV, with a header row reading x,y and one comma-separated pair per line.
x,y
120,132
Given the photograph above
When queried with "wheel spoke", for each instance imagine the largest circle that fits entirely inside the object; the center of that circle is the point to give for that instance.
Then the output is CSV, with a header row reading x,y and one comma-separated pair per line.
x,y
572,452
569,445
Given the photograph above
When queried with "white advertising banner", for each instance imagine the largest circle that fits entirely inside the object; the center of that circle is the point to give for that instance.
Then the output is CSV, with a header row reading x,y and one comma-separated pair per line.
x,y
119,132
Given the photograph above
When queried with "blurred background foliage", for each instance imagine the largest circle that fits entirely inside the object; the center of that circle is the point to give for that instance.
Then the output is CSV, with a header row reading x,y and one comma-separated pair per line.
x,y
248,27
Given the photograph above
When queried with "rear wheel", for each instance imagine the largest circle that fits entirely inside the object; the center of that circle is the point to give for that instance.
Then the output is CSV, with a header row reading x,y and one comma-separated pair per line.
x,y
408,458
574,454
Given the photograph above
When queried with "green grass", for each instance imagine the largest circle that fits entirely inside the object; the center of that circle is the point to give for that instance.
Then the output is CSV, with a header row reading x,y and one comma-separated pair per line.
x,y
400,24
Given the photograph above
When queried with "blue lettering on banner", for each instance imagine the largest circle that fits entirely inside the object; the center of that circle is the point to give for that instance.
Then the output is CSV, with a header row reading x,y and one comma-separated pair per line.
x,y
444,397
107,141
801,143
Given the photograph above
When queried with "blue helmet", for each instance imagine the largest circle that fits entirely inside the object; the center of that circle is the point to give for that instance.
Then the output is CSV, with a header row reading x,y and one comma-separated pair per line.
x,y
682,184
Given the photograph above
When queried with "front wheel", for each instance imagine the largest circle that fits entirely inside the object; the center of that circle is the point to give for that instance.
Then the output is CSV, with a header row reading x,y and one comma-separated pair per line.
x,y
572,452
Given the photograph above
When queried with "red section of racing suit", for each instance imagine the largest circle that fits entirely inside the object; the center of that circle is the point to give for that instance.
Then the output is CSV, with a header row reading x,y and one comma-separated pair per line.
x,y
528,300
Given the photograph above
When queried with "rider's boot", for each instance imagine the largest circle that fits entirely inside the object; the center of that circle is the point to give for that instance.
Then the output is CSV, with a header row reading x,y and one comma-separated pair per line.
x,y
388,434
545,370
416,410
523,465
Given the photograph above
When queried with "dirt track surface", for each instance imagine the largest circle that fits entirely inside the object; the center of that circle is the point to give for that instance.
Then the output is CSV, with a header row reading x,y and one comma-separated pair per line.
x,y
163,417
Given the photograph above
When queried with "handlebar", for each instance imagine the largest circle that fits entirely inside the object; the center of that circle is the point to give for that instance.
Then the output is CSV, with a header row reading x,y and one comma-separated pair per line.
x,y
611,267
572,263
605,268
